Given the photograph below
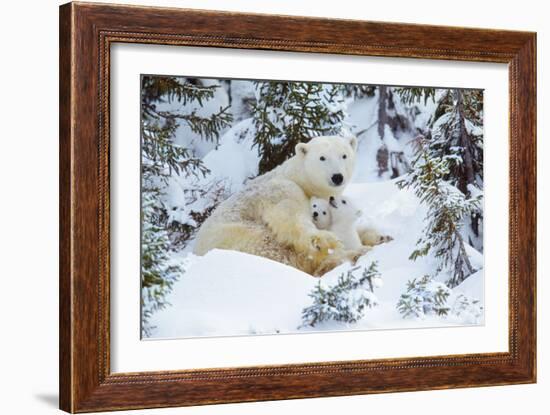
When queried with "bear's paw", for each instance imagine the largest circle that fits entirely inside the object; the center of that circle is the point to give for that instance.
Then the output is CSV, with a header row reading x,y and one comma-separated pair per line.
x,y
325,242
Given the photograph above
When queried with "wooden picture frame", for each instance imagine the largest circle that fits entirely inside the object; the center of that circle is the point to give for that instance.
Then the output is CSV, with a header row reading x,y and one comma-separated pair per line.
x,y
86,33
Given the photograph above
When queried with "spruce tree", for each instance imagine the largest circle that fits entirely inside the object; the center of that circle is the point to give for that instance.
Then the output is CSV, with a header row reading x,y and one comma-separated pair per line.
x,y
465,126
288,113
426,297
423,297
158,273
160,159
447,210
346,301
456,133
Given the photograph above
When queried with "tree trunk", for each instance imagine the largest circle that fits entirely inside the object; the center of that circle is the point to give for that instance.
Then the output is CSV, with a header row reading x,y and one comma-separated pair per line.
x,y
382,155
382,112
465,143
469,175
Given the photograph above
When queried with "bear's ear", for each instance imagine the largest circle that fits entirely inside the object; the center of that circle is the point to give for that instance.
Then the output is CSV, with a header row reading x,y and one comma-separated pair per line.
x,y
301,149
353,142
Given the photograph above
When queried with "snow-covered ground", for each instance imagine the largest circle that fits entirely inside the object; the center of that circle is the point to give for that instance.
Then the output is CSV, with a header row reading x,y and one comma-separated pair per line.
x,y
231,293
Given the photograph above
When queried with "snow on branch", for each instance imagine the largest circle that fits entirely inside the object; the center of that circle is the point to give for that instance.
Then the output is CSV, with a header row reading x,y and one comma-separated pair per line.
x,y
447,209
424,296
346,301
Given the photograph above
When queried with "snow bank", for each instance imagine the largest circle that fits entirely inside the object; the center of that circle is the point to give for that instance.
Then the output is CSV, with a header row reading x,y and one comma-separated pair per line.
x,y
231,293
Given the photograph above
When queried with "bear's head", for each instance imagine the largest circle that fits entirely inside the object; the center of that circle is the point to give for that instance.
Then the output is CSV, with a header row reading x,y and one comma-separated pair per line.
x,y
320,212
327,164
343,210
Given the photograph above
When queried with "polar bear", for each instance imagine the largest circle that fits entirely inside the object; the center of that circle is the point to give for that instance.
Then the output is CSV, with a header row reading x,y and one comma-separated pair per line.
x,y
342,222
270,217
320,212
344,215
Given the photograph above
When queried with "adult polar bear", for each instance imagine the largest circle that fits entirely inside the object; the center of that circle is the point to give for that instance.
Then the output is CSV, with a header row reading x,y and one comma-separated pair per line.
x,y
271,216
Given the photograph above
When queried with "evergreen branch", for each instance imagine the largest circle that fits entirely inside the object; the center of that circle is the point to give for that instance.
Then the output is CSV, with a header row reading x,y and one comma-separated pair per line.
x,y
161,159
288,113
424,296
208,127
346,301
447,208
170,88
410,95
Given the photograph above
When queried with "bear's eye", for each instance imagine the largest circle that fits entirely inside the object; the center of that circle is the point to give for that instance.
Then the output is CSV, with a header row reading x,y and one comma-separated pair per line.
x,y
324,213
322,158
343,201
314,206
344,156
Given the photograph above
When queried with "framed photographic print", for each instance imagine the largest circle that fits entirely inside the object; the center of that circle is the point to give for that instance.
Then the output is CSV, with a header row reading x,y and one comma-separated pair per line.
x,y
252,208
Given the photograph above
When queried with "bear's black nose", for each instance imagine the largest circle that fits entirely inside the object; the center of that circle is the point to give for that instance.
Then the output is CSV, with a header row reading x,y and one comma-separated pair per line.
x,y
315,214
337,179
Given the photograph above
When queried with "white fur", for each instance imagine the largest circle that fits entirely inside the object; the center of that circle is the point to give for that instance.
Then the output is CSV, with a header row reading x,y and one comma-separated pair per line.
x,y
321,159
344,215
320,213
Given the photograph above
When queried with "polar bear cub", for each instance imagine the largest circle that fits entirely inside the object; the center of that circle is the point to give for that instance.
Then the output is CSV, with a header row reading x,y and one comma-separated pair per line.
x,y
338,215
320,213
344,215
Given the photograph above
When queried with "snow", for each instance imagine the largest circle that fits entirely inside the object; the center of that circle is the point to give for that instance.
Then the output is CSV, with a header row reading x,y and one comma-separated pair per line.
x,y
472,129
234,159
230,165
232,293
229,293
441,121
179,208
362,117
242,92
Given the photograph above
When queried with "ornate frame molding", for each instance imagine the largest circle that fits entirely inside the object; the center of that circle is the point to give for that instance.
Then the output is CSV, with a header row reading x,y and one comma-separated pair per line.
x,y
86,34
